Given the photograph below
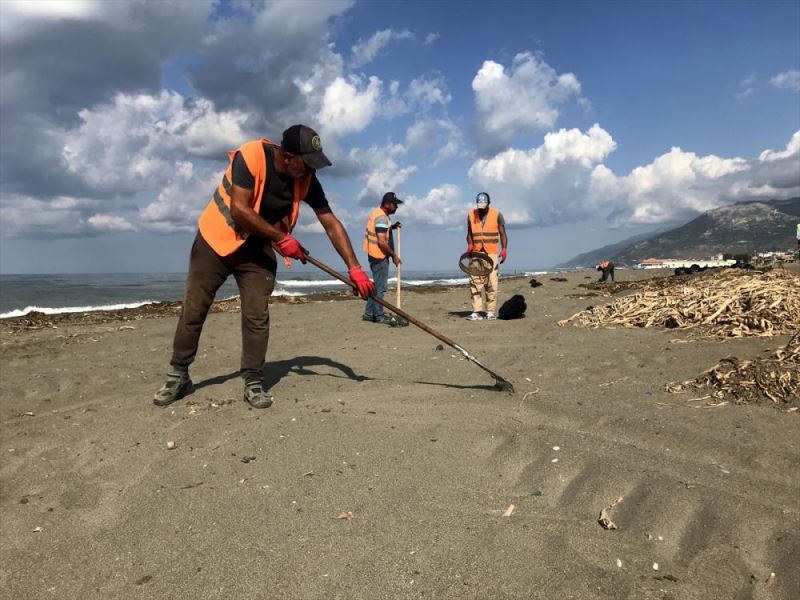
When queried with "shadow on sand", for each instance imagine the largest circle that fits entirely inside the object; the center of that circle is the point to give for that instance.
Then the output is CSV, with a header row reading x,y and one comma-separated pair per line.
x,y
491,388
274,371
459,313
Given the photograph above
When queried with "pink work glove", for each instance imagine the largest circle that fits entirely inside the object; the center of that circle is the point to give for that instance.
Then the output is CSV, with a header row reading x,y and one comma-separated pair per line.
x,y
503,254
469,247
365,287
290,248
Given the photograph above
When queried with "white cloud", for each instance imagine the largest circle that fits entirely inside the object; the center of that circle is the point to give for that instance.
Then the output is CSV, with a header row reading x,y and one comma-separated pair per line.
x,y
431,38
746,87
349,106
110,223
135,143
148,146
674,186
428,92
24,216
19,17
443,206
524,98
366,51
544,185
381,171
565,180
441,136
181,199
792,149
788,80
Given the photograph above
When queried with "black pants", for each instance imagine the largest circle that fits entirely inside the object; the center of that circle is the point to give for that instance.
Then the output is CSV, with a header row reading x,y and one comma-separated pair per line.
x,y
606,272
254,266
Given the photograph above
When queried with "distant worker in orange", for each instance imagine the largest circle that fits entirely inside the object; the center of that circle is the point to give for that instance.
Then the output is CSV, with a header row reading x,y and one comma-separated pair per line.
x,y
486,232
607,267
379,247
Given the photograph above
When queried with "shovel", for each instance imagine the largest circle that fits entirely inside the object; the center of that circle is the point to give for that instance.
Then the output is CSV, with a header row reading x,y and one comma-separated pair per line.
x,y
398,268
500,383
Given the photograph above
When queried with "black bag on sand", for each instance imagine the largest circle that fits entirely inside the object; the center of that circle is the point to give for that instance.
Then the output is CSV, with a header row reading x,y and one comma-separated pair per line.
x,y
513,308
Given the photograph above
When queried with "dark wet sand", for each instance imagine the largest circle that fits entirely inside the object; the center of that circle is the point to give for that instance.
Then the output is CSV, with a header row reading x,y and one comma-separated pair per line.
x,y
413,441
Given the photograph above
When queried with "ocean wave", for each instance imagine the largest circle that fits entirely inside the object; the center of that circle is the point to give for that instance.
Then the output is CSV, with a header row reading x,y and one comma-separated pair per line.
x,y
412,282
293,283
70,309
305,283
289,287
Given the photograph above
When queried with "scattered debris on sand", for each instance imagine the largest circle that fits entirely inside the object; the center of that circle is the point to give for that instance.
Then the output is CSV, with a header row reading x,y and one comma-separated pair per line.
x,y
776,377
605,519
722,304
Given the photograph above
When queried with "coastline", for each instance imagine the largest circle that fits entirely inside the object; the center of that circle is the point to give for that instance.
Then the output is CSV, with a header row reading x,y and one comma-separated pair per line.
x,y
410,443
39,320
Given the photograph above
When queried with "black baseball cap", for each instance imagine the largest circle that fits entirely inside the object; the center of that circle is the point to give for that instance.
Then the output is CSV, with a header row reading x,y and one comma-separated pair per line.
x,y
303,141
390,197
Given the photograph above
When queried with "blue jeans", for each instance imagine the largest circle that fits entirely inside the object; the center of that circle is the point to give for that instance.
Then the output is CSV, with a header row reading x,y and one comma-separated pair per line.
x,y
380,274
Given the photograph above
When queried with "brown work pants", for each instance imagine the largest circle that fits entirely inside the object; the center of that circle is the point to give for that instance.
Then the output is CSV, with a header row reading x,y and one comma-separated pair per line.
x,y
253,265
488,283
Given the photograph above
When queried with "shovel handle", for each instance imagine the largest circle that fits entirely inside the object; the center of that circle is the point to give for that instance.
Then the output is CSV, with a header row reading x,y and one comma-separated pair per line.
x,y
500,382
383,303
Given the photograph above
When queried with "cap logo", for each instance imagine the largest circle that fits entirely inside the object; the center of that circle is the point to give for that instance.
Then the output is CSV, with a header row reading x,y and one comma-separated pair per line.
x,y
316,143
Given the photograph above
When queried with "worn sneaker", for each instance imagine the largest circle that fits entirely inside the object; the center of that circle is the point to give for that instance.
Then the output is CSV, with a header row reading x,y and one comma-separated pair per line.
x,y
256,397
490,316
175,388
475,317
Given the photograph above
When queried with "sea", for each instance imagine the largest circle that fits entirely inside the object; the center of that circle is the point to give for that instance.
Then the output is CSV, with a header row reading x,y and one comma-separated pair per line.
x,y
53,294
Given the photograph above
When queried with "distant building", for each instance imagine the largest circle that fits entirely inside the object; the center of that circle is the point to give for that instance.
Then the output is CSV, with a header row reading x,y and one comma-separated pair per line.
x,y
652,263
674,263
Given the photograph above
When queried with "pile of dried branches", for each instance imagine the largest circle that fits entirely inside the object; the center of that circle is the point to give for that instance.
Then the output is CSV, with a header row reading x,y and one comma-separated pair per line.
x,y
776,377
728,303
615,287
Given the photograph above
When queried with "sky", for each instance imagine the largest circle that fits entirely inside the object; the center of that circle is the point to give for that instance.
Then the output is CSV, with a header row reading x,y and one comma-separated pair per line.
x,y
586,122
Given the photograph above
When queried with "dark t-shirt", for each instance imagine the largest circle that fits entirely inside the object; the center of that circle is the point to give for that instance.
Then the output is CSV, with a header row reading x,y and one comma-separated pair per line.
x,y
276,202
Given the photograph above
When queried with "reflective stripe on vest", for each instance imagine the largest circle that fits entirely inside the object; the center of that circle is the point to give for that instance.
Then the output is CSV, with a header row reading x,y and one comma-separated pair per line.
x,y
217,225
371,235
223,208
486,235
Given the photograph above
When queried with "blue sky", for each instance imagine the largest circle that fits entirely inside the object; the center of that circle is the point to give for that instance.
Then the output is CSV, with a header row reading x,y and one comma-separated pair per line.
x,y
587,122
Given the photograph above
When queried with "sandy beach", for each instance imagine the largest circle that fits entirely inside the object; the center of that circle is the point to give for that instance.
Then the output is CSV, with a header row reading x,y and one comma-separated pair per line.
x,y
390,468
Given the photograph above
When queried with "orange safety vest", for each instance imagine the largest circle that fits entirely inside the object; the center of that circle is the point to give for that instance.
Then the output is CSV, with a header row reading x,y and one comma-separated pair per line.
x,y
486,235
371,235
217,225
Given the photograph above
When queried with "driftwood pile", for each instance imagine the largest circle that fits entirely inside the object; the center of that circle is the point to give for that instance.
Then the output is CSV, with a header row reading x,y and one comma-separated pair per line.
x,y
776,377
724,304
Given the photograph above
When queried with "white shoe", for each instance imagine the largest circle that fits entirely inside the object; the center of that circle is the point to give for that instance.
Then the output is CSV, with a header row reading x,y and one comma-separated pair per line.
x,y
490,316
474,317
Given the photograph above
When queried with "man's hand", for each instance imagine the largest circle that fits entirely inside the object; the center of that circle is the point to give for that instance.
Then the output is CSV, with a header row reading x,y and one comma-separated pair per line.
x,y
290,247
365,287
503,254
396,260
397,225
469,247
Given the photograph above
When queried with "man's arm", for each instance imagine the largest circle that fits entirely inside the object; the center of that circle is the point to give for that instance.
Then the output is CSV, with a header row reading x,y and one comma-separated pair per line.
x,y
338,236
244,215
383,244
503,237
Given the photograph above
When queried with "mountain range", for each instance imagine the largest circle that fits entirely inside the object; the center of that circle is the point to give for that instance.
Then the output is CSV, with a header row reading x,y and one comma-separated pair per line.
x,y
741,228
